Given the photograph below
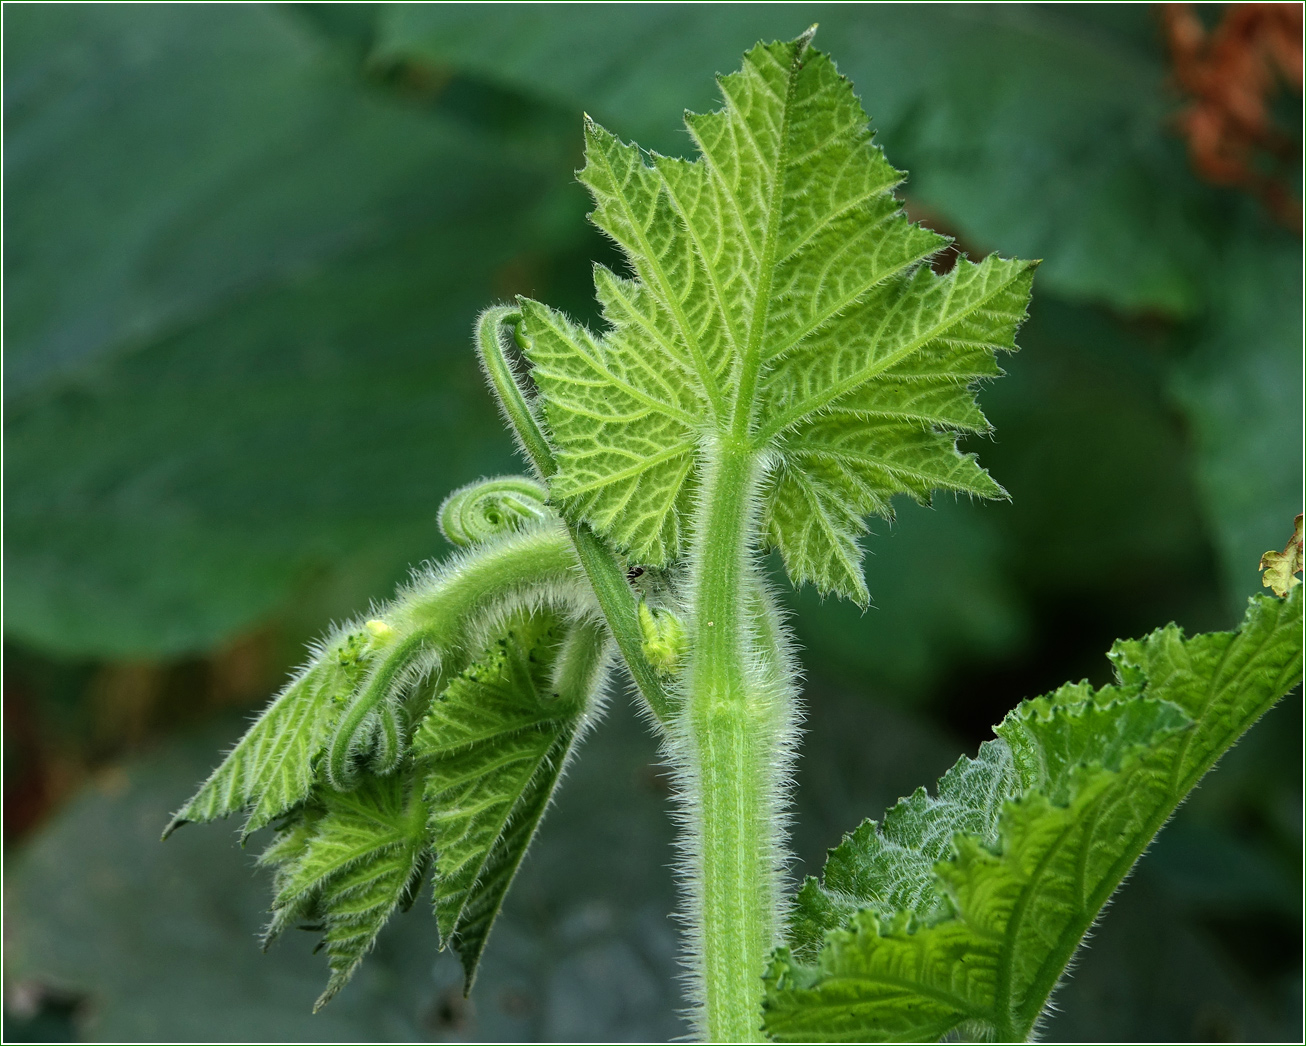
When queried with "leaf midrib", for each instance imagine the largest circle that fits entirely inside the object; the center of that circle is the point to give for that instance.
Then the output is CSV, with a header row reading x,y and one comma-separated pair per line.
x,y
544,779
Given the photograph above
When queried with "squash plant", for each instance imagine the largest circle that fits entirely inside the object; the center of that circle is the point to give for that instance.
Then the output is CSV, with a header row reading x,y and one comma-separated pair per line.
x,y
779,362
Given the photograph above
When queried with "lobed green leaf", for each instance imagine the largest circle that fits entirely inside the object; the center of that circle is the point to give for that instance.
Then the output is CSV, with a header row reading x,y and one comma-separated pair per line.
x,y
466,796
779,294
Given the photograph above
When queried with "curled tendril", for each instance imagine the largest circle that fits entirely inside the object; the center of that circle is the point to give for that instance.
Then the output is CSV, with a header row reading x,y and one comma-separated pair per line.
x,y
490,507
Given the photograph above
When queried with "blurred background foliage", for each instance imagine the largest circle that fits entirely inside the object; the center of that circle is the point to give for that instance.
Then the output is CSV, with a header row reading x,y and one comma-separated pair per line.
x,y
244,246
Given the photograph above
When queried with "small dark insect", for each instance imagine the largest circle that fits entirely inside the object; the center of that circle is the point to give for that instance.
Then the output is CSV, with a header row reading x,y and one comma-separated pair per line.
x,y
634,574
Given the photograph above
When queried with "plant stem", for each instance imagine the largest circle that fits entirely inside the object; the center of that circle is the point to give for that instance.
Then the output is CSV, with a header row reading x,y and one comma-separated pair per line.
x,y
535,558
495,324
620,610
737,730
734,733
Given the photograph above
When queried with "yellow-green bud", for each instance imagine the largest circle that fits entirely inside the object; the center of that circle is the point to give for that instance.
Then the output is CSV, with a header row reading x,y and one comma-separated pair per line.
x,y
664,638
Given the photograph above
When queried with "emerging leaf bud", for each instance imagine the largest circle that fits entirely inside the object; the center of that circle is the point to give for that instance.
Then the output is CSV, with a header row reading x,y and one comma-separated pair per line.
x,y
664,638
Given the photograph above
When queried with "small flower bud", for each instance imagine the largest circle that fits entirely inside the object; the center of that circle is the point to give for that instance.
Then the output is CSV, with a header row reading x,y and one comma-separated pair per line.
x,y
664,638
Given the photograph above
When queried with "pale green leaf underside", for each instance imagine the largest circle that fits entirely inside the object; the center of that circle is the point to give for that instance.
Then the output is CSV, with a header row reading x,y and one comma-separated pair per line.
x,y
778,293
962,910
491,752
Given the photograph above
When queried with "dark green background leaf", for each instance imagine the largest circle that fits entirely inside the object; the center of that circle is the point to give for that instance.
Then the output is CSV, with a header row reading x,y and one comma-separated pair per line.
x,y
240,361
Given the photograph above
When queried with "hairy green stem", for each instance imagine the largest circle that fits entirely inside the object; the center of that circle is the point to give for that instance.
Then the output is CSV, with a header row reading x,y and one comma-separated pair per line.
x,y
378,686
432,624
536,559
606,574
580,661
494,324
621,609
737,731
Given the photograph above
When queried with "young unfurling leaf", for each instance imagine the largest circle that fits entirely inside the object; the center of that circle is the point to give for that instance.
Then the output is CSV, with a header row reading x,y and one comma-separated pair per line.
x,y
271,769
962,911
354,843
349,861
468,795
491,752
779,296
